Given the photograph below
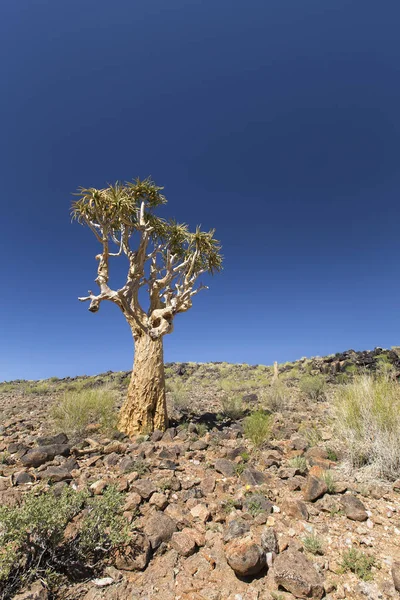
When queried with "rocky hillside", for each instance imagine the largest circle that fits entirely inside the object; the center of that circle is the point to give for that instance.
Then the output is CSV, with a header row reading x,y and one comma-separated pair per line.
x,y
246,496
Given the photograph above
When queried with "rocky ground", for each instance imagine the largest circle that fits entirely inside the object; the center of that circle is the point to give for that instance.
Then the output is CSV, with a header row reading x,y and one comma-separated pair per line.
x,y
214,518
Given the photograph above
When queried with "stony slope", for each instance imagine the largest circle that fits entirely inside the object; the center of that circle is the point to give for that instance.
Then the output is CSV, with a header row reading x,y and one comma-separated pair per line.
x,y
213,518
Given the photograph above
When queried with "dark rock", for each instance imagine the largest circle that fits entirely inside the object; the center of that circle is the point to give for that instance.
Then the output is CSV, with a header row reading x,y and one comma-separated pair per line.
x,y
22,477
314,488
126,465
159,528
235,452
156,436
169,434
236,528
60,438
297,575
42,454
257,503
55,474
225,467
111,459
353,507
250,398
245,557
251,476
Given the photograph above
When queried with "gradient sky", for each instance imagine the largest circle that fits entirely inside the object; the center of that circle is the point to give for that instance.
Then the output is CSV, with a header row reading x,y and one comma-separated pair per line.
x,y
275,121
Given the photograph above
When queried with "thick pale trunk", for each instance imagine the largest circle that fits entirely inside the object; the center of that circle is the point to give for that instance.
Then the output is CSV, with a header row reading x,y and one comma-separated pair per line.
x,y
145,407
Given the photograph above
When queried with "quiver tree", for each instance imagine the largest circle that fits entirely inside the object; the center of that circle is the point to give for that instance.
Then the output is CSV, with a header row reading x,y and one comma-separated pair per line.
x,y
163,258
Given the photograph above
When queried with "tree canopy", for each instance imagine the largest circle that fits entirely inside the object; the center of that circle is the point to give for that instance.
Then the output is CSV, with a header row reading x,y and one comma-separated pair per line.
x,y
163,255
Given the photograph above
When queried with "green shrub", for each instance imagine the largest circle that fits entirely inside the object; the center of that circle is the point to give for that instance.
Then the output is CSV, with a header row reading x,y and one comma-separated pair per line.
x,y
330,481
313,544
331,454
180,396
74,411
298,462
313,386
275,396
311,433
367,422
34,544
257,427
232,406
357,562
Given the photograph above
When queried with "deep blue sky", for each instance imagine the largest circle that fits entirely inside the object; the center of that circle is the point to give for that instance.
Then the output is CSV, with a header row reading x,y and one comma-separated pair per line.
x,y
275,121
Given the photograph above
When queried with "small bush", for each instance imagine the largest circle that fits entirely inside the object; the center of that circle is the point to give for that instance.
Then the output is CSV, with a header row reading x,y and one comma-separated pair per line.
x,y
357,562
232,406
298,462
313,386
331,454
34,542
329,479
311,433
257,427
367,422
76,410
275,397
179,394
313,544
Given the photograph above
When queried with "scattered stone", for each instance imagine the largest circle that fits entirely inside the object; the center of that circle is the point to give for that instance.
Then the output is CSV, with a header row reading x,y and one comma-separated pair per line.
x,y
297,575
314,488
37,591
144,487
269,540
353,508
23,477
55,474
296,509
207,486
136,555
236,528
225,467
183,543
159,528
396,575
245,557
200,512
251,476
159,500
43,454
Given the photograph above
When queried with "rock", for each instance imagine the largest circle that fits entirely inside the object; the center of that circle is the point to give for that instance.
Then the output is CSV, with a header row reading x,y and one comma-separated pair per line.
x,y
159,500
60,438
353,507
36,592
225,467
269,541
98,487
314,488
144,487
126,465
132,501
43,454
136,555
156,436
103,581
159,528
245,557
396,575
236,528
207,486
251,476
257,503
296,509
111,459
183,543
200,512
396,485
55,474
10,497
297,575
22,477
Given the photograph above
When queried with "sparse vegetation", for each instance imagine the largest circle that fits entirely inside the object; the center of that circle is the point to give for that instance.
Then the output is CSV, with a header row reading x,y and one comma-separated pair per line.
x,y
257,427
313,386
179,394
34,543
358,562
367,413
299,463
275,396
76,410
313,544
329,479
232,406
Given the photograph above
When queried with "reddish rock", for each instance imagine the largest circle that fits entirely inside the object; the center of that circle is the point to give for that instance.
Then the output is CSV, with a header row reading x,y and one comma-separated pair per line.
x,y
245,557
353,508
314,489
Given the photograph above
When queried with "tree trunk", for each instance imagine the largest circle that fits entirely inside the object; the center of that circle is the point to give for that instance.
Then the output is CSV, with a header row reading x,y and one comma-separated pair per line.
x,y
145,407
